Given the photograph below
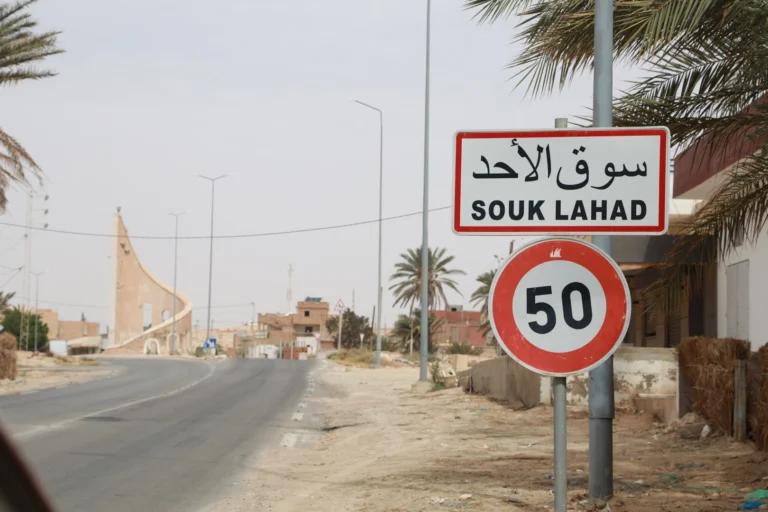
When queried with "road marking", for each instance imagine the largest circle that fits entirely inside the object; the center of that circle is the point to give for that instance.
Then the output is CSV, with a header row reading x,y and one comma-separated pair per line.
x,y
298,416
289,440
54,426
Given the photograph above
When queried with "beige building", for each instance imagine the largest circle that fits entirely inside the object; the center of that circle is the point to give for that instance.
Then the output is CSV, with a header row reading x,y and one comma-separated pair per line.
x,y
309,319
66,329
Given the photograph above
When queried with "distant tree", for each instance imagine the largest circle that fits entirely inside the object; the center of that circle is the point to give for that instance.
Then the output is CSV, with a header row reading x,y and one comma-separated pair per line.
x,y
5,300
407,331
464,348
353,326
15,317
20,48
82,317
480,298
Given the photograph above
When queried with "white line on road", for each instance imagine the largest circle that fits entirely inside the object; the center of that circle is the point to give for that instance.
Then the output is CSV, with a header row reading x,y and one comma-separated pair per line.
x,y
298,416
44,428
289,440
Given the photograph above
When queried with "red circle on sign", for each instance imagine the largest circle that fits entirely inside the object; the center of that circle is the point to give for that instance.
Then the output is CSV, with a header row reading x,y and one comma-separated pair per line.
x,y
594,352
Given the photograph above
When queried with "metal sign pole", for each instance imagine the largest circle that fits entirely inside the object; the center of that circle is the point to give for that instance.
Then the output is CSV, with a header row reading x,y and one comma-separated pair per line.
x,y
561,452
341,322
600,398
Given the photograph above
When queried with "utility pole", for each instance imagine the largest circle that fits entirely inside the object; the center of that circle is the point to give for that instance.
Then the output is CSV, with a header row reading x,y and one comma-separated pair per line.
x,y
423,374
176,216
601,400
209,322
341,323
253,314
37,302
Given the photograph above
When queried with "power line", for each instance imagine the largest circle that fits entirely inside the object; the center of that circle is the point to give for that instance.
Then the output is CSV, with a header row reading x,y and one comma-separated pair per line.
x,y
207,237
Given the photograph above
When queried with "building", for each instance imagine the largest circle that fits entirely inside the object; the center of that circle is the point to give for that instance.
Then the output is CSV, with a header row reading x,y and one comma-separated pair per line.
x,y
308,320
67,329
459,326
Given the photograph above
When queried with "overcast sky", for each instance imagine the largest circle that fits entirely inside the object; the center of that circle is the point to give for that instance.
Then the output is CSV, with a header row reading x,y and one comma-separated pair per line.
x,y
151,92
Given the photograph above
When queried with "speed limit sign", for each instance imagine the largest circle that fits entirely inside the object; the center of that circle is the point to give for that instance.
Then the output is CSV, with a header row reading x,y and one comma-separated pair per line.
x,y
559,306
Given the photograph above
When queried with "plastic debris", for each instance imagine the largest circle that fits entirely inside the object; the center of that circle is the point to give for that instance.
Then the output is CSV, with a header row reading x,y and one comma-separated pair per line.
x,y
760,494
548,476
751,505
465,497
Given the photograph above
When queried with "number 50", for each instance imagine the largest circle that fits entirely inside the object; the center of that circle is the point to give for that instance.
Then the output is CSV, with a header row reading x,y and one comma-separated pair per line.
x,y
533,307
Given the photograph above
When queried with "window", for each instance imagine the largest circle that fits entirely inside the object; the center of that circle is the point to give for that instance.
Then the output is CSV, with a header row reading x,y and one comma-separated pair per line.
x,y
308,330
306,313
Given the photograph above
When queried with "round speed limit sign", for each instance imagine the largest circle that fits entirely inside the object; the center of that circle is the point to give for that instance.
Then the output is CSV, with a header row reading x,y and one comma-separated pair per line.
x,y
559,306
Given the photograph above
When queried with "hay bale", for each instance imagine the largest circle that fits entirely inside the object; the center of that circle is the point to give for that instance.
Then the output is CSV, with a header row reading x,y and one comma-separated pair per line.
x,y
758,399
709,363
8,364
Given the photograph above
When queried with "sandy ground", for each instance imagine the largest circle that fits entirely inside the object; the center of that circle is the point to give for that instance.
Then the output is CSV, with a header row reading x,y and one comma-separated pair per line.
x,y
396,451
36,373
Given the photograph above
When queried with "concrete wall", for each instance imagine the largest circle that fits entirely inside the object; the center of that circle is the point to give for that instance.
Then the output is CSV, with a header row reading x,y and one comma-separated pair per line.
x,y
72,329
638,372
135,288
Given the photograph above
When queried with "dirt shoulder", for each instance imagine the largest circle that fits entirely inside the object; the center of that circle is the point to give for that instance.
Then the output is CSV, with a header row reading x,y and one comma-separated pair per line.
x,y
36,373
396,451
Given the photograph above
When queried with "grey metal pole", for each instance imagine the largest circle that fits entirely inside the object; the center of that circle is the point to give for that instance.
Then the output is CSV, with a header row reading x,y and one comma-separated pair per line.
x,y
423,377
175,270
209,321
253,315
210,265
561,450
381,196
601,400
37,303
341,323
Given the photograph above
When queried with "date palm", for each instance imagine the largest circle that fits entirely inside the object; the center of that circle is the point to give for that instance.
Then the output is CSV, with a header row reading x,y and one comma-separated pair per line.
x,y
20,48
480,298
706,65
407,281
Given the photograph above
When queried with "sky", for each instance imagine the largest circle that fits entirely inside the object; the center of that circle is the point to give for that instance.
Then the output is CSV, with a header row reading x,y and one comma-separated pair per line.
x,y
150,93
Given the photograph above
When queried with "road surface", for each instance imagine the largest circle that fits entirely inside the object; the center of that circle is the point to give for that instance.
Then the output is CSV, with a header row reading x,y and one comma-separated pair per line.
x,y
162,434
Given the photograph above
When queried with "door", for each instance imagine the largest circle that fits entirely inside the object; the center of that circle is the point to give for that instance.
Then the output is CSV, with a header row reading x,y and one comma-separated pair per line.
x,y
737,300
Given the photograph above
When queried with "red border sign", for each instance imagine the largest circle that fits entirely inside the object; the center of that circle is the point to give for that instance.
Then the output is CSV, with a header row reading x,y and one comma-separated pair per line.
x,y
505,325
663,219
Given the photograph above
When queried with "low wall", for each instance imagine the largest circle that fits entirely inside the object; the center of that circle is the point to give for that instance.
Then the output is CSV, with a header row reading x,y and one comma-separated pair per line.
x,y
638,372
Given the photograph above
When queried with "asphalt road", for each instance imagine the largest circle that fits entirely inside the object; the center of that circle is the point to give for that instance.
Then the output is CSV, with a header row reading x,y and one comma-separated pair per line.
x,y
161,435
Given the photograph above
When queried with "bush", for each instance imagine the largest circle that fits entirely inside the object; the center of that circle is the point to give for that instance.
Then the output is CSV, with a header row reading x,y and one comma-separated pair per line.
x,y
464,348
199,352
354,356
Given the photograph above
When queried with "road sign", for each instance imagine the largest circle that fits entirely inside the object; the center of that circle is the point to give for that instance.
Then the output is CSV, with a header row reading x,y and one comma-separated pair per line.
x,y
340,308
585,181
210,343
318,335
559,306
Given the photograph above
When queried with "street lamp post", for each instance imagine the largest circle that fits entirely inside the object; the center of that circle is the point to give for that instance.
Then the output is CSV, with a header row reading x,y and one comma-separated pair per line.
x,y
381,182
175,265
425,219
37,297
253,314
213,181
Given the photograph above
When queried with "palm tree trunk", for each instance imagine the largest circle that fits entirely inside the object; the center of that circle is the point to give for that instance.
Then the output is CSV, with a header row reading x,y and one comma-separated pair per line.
x,y
410,314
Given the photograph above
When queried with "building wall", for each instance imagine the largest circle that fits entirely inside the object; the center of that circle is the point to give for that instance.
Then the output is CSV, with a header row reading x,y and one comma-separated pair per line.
x,y
50,318
137,290
460,327
752,322
73,329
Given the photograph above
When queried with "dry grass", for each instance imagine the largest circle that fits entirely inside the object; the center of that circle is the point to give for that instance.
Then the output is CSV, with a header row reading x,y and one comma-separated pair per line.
x,y
8,363
709,363
758,407
361,358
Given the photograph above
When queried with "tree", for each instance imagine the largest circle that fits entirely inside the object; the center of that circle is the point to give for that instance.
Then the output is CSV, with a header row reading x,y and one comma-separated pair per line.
x,y
407,331
351,329
5,300
480,297
706,80
15,317
407,277
20,47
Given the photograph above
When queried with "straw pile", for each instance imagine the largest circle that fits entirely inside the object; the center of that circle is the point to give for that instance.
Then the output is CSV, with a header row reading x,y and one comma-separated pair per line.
x,y
758,400
7,356
708,363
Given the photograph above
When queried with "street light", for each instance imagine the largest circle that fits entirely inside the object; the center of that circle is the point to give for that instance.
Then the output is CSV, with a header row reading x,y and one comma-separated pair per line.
x,y
253,314
175,265
425,220
210,260
37,296
381,181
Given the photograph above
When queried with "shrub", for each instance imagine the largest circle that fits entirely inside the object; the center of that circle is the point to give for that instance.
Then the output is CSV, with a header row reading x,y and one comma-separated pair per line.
x,y
464,348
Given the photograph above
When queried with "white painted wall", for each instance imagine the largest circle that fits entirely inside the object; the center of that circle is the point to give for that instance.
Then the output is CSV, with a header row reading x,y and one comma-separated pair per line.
x,y
757,254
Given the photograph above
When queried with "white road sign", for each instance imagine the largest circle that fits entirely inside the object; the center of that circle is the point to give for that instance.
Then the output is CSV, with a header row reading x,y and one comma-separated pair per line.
x,y
585,181
340,308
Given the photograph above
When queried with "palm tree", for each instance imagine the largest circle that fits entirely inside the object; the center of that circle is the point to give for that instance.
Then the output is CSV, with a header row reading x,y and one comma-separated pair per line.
x,y
20,47
706,65
5,301
480,297
407,277
404,331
